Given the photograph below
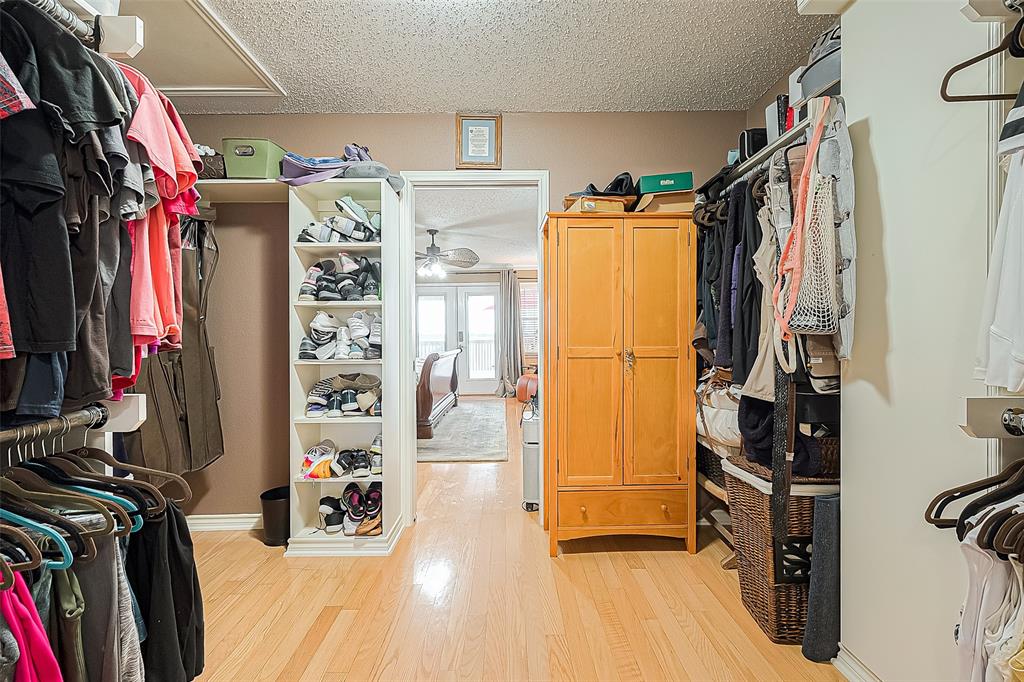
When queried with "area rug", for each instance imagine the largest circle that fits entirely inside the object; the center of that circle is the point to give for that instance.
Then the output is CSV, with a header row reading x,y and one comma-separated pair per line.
x,y
472,431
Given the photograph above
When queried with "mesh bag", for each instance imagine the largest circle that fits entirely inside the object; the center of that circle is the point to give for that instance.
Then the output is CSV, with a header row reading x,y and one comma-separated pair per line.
x,y
817,301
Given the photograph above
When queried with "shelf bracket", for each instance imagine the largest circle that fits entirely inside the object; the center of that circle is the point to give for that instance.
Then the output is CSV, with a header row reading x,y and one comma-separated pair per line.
x,y
999,417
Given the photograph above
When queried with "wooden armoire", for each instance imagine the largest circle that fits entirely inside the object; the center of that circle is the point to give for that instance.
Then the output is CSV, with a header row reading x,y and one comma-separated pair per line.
x,y
618,391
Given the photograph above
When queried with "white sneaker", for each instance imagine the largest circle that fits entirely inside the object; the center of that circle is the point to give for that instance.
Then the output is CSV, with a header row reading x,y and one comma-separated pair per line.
x,y
355,352
325,322
376,327
347,264
376,463
343,336
377,447
327,351
357,325
341,351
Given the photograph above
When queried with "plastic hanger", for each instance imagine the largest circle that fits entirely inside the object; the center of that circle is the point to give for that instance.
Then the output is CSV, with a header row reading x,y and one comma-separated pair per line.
x,y
24,543
64,501
1012,487
48,470
37,483
79,468
946,497
49,533
82,546
1012,42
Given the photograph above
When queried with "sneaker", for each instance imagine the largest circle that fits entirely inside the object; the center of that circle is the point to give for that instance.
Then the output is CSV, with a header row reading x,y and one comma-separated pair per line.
x,y
307,292
322,338
324,448
320,392
344,227
357,325
373,499
342,350
307,349
346,400
372,353
334,409
313,274
351,292
350,525
377,446
354,501
352,210
330,505
376,330
325,322
357,382
343,463
335,522
356,353
348,265
371,290
360,464
376,410
376,463
327,289
327,351
362,343
366,400
375,222
316,411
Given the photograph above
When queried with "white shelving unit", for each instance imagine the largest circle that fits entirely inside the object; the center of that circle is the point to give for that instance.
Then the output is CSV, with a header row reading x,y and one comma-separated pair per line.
x,y
313,203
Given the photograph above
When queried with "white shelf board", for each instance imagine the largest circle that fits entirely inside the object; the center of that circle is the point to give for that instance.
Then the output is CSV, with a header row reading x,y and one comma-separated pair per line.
x,y
335,247
361,189
354,305
316,543
243,191
373,478
337,420
356,363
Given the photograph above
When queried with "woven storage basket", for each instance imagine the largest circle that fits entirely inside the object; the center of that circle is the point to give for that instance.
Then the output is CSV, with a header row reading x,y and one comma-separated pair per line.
x,y
710,464
779,607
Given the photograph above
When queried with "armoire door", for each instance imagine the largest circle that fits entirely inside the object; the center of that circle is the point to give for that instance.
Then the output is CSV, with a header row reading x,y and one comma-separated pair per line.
x,y
589,351
656,343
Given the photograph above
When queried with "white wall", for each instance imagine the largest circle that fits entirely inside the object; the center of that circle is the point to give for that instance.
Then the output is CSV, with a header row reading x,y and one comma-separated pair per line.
x,y
921,170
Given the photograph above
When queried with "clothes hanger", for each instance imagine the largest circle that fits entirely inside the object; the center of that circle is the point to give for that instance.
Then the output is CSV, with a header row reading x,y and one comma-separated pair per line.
x,y
49,533
1012,42
55,474
1012,487
105,458
6,576
77,467
1009,533
82,547
946,497
63,501
32,481
24,543
758,190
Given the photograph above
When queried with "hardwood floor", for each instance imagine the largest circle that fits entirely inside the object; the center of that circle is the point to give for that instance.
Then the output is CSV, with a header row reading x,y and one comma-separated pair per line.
x,y
470,594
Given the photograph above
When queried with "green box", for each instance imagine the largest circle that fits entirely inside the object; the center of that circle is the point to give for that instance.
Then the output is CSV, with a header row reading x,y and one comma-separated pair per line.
x,y
247,157
666,182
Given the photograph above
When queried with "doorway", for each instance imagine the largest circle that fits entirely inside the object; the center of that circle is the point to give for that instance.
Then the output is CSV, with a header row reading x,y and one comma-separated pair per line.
x,y
469,301
463,317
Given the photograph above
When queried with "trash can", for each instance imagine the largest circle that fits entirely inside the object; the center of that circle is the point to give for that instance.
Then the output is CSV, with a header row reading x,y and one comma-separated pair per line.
x,y
275,516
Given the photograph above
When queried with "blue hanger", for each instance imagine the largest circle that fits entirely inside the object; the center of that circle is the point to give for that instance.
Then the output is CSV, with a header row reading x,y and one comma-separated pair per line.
x,y
120,501
62,545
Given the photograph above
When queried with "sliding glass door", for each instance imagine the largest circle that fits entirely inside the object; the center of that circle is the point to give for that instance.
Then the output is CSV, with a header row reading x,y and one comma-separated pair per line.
x,y
466,317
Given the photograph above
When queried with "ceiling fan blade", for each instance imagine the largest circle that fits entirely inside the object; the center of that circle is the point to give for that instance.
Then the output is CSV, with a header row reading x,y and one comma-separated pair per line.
x,y
460,258
420,254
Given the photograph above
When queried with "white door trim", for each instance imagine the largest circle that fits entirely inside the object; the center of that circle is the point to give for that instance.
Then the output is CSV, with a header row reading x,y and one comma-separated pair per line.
x,y
407,284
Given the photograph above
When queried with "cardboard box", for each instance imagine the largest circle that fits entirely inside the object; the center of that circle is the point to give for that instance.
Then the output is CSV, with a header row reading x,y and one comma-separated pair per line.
x,y
599,204
666,202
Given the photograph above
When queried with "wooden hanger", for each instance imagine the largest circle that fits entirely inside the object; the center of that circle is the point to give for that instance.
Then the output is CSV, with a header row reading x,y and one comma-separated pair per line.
x,y
1013,39
946,497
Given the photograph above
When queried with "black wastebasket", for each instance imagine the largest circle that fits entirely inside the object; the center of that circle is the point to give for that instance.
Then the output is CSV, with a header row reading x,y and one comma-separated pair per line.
x,y
276,526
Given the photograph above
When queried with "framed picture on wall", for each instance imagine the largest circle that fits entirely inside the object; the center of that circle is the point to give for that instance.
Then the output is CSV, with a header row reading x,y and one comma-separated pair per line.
x,y
478,141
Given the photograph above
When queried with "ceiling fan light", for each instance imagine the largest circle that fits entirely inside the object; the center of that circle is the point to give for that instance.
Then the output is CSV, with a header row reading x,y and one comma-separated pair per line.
x,y
423,270
437,270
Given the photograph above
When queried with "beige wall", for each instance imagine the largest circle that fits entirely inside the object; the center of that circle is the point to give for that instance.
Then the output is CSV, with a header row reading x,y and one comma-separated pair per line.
x,y
755,114
250,294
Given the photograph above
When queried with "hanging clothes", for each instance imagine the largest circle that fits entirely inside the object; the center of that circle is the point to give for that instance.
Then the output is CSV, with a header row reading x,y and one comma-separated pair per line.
x,y
1000,356
747,309
723,347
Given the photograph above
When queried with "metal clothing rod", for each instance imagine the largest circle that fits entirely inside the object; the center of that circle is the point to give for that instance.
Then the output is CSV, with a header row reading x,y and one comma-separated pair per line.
x,y
66,18
89,417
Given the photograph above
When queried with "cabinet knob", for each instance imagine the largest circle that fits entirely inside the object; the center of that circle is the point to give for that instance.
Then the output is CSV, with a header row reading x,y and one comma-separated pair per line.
x,y
664,508
583,510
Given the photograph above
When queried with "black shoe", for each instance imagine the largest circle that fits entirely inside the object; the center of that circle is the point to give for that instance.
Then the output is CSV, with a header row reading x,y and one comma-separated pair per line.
x,y
307,349
375,410
334,403
346,401
350,292
354,501
360,464
372,353
343,462
327,289
371,290
333,522
374,499
329,505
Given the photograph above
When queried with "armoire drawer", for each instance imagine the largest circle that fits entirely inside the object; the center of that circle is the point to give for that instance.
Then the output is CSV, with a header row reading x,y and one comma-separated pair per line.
x,y
596,508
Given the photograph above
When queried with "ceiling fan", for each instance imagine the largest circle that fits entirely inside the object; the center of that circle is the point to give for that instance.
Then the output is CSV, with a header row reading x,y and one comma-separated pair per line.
x,y
430,263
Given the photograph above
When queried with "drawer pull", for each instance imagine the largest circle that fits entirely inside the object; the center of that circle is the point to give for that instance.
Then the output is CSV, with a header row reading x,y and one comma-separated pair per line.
x,y
664,508
583,510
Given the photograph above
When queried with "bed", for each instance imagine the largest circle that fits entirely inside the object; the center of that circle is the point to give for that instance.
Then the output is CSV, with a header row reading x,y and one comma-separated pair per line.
x,y
437,390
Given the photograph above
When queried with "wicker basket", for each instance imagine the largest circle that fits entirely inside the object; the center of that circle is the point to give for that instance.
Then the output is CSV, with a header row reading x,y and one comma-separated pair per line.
x,y
709,463
778,603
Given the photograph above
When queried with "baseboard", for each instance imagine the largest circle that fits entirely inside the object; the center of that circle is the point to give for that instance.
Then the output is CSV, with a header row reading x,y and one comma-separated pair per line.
x,y
852,668
205,522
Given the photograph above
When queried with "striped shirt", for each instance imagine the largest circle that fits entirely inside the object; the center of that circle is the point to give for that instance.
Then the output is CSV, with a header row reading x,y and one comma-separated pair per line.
x,y
1011,138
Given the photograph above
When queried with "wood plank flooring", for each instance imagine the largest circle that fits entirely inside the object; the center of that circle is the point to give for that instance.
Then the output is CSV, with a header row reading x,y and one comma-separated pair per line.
x,y
471,594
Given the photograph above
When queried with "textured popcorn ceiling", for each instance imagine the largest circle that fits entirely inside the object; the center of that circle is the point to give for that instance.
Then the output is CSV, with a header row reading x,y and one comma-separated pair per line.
x,y
500,224
365,56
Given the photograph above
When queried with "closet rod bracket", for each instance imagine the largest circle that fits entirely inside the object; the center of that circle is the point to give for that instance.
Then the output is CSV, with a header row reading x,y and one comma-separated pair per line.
x,y
995,417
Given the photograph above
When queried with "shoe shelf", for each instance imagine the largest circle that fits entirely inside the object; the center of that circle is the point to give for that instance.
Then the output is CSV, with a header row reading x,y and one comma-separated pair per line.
x,y
337,305
336,420
314,203
372,478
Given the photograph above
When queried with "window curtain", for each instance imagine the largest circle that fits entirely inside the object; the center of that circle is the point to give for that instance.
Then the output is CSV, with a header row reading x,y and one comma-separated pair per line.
x,y
510,334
